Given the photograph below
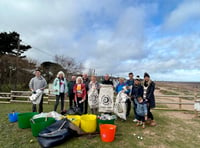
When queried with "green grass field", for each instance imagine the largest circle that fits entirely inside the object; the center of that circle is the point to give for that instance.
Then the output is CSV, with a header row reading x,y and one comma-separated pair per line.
x,y
171,132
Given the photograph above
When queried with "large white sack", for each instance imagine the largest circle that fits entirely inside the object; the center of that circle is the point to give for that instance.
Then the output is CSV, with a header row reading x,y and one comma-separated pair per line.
x,y
106,98
93,98
120,105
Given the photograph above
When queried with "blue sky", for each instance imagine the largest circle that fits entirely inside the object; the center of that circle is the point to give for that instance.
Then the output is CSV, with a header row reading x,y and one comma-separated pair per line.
x,y
161,37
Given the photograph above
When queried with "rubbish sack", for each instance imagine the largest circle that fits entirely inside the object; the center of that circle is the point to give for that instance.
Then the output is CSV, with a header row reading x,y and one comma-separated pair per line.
x,y
74,111
56,134
106,98
120,105
93,98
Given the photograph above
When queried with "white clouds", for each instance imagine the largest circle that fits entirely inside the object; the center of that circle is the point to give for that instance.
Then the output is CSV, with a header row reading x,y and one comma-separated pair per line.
x,y
111,36
186,11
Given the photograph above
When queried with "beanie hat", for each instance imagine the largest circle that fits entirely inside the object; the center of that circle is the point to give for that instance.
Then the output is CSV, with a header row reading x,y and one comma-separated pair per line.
x,y
137,78
146,75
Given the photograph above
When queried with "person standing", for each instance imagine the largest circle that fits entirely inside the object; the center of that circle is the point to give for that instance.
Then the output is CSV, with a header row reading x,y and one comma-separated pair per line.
x,y
141,110
149,87
137,90
38,83
60,89
70,91
130,84
107,80
120,85
80,93
93,95
86,81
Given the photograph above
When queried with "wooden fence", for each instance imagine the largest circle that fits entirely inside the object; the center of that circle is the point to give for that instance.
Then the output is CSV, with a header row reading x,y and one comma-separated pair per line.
x,y
23,97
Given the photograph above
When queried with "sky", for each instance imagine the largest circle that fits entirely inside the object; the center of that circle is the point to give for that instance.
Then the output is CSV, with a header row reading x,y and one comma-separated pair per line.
x,y
161,37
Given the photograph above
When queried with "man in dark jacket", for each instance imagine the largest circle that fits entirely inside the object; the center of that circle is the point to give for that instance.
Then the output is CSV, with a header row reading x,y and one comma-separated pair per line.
x,y
137,90
130,84
149,87
86,81
107,80
70,91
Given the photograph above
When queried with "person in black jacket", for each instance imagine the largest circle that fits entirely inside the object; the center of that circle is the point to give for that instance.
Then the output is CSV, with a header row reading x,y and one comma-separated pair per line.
x,y
137,90
70,91
107,80
149,87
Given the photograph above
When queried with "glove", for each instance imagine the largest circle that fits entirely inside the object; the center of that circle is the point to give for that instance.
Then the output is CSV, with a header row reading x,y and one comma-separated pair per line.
x,y
81,101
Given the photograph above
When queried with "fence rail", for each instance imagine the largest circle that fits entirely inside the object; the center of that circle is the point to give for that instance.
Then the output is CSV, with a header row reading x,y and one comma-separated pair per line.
x,y
23,97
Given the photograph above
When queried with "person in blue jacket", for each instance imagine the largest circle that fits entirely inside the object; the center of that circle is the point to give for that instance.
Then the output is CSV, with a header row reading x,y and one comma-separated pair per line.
x,y
120,85
141,110
60,88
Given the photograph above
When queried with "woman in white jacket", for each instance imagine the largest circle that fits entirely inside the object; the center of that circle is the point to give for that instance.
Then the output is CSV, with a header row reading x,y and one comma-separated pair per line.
x,y
60,89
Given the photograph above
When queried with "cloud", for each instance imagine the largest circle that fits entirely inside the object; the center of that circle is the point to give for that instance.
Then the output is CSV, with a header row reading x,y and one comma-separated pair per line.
x,y
186,11
110,36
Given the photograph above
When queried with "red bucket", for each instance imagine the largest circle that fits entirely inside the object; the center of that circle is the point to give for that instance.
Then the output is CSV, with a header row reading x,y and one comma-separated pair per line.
x,y
107,132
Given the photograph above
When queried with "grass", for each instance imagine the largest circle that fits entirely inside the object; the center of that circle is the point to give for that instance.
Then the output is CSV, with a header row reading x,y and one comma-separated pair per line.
x,y
171,132
166,92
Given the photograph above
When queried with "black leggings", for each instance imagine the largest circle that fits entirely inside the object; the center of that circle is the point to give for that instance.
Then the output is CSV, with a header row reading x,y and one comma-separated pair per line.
x,y
60,96
149,114
71,100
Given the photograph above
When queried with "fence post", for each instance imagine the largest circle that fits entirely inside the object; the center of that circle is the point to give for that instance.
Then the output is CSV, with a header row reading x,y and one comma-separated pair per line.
x,y
180,103
195,98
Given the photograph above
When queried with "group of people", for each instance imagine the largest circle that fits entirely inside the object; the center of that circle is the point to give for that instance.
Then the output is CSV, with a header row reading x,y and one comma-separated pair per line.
x,y
141,93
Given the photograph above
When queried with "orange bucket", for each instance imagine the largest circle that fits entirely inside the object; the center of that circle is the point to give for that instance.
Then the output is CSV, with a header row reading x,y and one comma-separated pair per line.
x,y
107,132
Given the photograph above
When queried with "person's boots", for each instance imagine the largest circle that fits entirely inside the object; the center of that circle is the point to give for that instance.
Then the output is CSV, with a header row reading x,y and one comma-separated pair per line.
x,y
153,123
148,121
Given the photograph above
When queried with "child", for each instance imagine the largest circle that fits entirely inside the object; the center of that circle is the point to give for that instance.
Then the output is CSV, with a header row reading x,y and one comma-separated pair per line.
x,y
141,110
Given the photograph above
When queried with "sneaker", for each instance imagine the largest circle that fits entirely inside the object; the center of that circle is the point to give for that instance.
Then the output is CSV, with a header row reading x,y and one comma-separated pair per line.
x,y
143,126
135,120
138,124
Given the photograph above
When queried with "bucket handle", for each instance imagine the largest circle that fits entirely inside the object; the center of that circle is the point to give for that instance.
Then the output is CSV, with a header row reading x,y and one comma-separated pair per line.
x,y
32,121
46,119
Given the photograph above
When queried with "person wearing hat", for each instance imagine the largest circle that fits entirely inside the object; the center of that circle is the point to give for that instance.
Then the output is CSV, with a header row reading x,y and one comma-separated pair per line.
x,y
38,83
149,87
137,90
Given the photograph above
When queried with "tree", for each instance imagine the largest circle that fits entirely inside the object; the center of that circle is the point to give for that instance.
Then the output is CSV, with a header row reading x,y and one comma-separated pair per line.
x,y
50,70
10,44
69,64
14,68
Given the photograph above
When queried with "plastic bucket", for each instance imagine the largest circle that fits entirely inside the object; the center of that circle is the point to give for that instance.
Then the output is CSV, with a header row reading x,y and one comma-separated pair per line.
x,y
12,117
24,119
107,132
99,122
75,119
89,123
37,125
